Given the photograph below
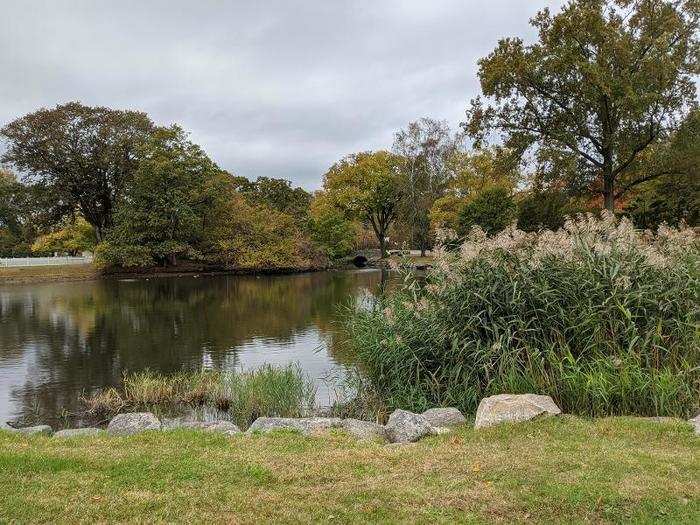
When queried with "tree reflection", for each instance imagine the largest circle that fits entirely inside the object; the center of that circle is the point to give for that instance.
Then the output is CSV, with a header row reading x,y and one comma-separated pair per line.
x,y
59,340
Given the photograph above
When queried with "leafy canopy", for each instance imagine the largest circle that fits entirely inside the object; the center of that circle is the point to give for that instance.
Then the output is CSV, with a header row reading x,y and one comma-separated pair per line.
x,y
163,213
76,236
367,186
83,156
492,210
606,80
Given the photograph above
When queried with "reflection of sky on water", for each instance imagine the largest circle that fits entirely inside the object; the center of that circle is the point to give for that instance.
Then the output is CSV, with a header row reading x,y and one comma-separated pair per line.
x,y
60,340
308,348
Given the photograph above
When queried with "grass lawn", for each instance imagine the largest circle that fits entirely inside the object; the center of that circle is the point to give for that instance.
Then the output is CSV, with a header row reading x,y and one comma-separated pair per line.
x,y
557,470
32,274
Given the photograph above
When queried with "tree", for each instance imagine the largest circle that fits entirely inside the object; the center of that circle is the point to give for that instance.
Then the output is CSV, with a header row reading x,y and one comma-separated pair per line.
x,y
425,147
545,210
471,173
164,211
276,193
21,215
606,80
11,231
674,195
9,205
76,236
492,210
82,155
244,234
367,186
330,229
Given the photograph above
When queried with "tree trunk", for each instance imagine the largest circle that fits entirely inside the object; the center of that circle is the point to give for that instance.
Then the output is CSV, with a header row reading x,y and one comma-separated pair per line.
x,y
608,187
382,246
609,201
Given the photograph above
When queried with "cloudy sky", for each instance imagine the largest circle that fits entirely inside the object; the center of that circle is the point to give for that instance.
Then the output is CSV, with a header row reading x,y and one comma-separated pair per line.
x,y
274,88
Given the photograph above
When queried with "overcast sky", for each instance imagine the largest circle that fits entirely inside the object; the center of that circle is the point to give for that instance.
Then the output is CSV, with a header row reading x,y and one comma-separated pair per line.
x,y
274,88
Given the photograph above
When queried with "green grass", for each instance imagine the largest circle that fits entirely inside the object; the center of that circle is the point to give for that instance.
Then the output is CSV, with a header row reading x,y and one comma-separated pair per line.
x,y
558,470
33,274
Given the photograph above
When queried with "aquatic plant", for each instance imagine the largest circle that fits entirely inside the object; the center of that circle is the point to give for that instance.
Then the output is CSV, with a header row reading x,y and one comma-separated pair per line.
x,y
599,315
266,391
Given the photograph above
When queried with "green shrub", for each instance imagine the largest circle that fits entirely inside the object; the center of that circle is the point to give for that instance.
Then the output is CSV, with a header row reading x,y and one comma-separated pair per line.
x,y
333,233
492,210
545,210
599,316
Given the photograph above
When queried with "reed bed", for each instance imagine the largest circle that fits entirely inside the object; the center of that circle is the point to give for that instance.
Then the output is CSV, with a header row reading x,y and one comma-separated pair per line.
x,y
600,316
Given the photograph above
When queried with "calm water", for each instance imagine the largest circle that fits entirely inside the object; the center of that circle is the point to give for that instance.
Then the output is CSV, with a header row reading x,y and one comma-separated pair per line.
x,y
60,340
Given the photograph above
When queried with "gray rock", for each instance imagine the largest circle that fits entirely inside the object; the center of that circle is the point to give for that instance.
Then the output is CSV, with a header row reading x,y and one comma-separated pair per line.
x,y
128,424
406,427
76,432
696,424
504,408
444,417
659,419
305,425
364,430
223,427
31,431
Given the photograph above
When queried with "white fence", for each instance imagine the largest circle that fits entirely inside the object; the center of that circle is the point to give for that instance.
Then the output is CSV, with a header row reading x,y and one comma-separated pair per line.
x,y
44,261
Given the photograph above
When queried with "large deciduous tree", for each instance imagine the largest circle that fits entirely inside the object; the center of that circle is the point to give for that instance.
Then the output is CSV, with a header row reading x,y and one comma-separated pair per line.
x,y
82,155
367,186
166,209
276,193
426,147
606,80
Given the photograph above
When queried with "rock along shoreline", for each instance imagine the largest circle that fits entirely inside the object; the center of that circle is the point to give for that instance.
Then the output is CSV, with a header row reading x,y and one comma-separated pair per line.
x,y
402,426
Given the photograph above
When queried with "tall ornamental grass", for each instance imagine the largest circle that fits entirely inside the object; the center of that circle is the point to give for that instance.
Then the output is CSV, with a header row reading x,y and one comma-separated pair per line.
x,y
600,316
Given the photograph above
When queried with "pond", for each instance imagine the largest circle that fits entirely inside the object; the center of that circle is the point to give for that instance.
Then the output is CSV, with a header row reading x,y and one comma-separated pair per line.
x,y
59,341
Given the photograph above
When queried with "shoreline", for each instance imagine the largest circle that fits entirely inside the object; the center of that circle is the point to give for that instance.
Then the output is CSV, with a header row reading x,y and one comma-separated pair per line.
x,y
10,276
50,274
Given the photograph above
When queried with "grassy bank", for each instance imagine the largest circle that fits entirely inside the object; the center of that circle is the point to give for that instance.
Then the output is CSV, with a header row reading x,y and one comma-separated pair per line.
x,y
558,470
38,274
87,272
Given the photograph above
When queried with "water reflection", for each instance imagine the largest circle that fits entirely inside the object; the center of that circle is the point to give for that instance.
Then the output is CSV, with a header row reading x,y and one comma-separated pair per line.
x,y
59,340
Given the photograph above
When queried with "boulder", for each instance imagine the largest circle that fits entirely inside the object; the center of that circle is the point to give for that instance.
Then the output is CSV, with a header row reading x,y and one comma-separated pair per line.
x,y
659,419
305,425
223,427
45,430
444,417
406,427
133,423
504,408
77,432
696,424
364,430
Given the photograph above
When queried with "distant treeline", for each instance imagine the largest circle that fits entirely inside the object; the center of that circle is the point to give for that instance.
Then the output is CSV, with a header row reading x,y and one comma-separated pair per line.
x,y
600,112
